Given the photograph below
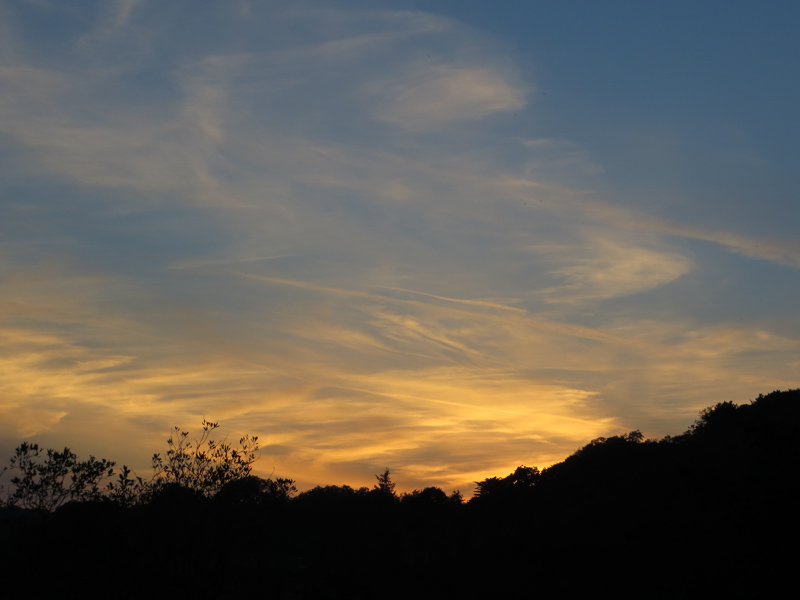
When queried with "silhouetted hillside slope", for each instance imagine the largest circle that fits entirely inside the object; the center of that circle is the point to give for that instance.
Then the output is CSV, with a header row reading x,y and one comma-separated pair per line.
x,y
709,513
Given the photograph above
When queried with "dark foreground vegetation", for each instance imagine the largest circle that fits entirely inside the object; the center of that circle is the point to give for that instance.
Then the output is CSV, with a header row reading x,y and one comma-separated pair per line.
x,y
711,513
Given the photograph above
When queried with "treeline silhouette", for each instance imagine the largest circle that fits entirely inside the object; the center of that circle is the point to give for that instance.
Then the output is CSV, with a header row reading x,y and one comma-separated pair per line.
x,y
709,513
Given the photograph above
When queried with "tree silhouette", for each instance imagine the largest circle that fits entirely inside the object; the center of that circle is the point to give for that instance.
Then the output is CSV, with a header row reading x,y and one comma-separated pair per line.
x,y
385,485
516,486
668,514
49,479
427,496
254,491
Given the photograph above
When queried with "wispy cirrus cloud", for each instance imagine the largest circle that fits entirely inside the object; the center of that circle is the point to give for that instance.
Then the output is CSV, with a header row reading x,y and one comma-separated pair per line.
x,y
322,230
608,268
436,95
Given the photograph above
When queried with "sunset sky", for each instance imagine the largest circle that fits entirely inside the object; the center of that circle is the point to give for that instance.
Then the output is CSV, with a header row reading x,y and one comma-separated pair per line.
x,y
444,237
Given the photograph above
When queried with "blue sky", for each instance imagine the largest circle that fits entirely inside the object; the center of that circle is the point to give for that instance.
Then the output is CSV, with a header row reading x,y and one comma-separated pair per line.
x,y
444,237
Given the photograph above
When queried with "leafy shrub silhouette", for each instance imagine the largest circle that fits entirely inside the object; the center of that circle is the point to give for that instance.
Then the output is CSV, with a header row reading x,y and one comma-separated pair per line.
x,y
128,489
203,465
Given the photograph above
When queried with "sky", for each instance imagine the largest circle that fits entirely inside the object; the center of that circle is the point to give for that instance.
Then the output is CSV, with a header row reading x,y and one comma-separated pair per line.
x,y
444,237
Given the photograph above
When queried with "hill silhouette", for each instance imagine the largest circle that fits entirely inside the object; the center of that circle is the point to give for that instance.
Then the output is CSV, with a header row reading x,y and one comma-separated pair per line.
x,y
708,513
